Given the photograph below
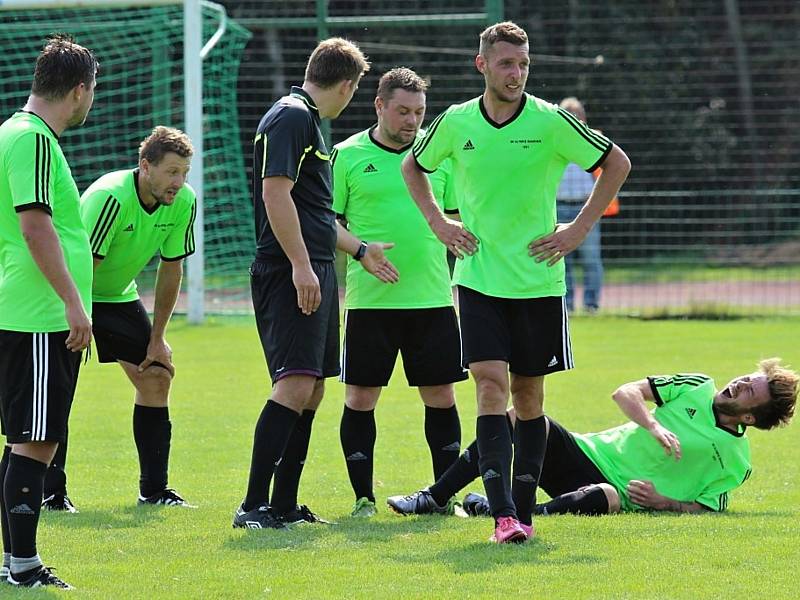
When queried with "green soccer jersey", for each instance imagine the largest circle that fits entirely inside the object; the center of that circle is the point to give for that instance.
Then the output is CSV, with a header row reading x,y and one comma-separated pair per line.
x,y
507,177
368,189
125,233
714,460
35,175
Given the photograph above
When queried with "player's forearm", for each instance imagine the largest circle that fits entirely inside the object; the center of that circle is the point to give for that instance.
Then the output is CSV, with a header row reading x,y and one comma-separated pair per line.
x,y
285,224
632,403
615,171
43,244
420,189
346,241
670,505
168,286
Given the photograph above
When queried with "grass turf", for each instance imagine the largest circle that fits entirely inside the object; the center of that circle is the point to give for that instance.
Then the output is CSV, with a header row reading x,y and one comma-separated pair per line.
x,y
113,549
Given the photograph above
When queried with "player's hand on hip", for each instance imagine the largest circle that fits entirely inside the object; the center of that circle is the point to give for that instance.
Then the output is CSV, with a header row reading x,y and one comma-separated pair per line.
x,y
668,440
376,263
80,327
158,351
455,236
555,246
306,283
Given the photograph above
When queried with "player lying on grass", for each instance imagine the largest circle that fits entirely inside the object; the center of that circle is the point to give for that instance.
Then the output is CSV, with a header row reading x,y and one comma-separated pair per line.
x,y
686,455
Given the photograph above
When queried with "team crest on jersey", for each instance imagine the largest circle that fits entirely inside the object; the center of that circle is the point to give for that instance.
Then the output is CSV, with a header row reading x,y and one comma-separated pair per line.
x,y
468,146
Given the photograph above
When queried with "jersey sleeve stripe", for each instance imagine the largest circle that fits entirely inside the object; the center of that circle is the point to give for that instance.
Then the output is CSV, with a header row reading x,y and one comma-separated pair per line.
x,y
334,154
188,244
103,224
654,388
264,156
48,161
300,162
38,169
421,144
421,168
692,380
595,140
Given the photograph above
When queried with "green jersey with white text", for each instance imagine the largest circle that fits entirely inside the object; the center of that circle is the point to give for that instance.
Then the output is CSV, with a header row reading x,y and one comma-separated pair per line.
x,y
34,174
714,460
368,189
125,233
507,176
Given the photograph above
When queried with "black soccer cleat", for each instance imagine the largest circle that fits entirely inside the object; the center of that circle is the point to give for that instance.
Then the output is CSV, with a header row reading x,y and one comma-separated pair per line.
x,y
419,503
261,517
168,497
59,502
301,514
476,505
43,576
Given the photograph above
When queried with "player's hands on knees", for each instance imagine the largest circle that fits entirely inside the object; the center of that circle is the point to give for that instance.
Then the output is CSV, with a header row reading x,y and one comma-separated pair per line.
x,y
376,263
555,246
644,494
80,327
306,283
668,440
455,236
158,351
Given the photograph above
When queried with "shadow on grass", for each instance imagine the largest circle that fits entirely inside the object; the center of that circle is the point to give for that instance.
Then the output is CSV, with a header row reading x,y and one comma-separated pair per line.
x,y
299,536
369,530
128,517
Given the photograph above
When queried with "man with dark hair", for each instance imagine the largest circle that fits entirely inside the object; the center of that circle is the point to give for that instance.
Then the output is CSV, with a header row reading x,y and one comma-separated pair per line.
x,y
45,295
129,216
295,293
686,455
509,150
415,316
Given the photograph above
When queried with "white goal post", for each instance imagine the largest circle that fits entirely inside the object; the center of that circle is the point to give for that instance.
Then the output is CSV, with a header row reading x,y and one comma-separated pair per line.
x,y
194,52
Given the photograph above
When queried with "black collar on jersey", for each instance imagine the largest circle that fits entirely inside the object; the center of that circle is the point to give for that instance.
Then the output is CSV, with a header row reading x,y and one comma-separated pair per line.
x,y
384,147
30,112
299,92
497,125
725,429
149,210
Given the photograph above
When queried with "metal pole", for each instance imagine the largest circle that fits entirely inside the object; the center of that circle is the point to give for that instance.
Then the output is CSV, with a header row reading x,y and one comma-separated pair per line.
x,y
193,115
322,33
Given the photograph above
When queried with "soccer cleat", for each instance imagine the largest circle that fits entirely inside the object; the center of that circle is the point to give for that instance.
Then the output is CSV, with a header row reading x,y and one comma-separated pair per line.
x,y
364,508
508,530
41,577
60,502
301,514
261,517
528,529
476,505
168,497
420,503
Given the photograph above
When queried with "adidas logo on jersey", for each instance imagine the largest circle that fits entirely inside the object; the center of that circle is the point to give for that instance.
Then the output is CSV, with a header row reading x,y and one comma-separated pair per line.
x,y
691,412
468,146
370,168
129,228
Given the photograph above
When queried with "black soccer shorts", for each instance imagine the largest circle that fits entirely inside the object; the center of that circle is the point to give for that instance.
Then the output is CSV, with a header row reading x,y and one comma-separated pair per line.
x,y
121,331
566,468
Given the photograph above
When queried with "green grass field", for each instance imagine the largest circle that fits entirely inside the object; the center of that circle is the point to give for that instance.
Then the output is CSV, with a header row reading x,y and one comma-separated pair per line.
x,y
113,549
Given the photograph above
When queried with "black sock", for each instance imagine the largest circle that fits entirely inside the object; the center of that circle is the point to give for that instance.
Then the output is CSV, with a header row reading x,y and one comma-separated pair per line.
x,y
357,433
55,480
152,432
443,433
22,493
3,514
458,476
287,475
530,445
494,447
273,429
591,501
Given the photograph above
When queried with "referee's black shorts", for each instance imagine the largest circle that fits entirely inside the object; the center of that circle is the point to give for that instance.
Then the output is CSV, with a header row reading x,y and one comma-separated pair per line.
x,y
530,334
294,343
121,331
38,375
566,468
427,338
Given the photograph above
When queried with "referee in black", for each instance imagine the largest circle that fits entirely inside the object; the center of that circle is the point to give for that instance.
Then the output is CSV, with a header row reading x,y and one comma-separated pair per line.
x,y
295,292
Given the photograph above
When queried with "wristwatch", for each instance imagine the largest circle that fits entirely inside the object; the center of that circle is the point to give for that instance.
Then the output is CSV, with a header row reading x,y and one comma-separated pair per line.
x,y
362,250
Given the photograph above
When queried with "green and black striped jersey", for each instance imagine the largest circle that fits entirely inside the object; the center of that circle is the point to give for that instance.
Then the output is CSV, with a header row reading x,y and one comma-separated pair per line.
x,y
34,174
506,176
126,234
714,461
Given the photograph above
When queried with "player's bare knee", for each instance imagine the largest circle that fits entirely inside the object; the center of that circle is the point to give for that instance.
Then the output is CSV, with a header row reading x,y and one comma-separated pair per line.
x,y
361,398
438,396
612,497
154,380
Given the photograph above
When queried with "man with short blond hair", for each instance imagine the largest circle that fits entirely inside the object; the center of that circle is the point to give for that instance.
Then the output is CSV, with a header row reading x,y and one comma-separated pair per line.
x,y
293,281
509,150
